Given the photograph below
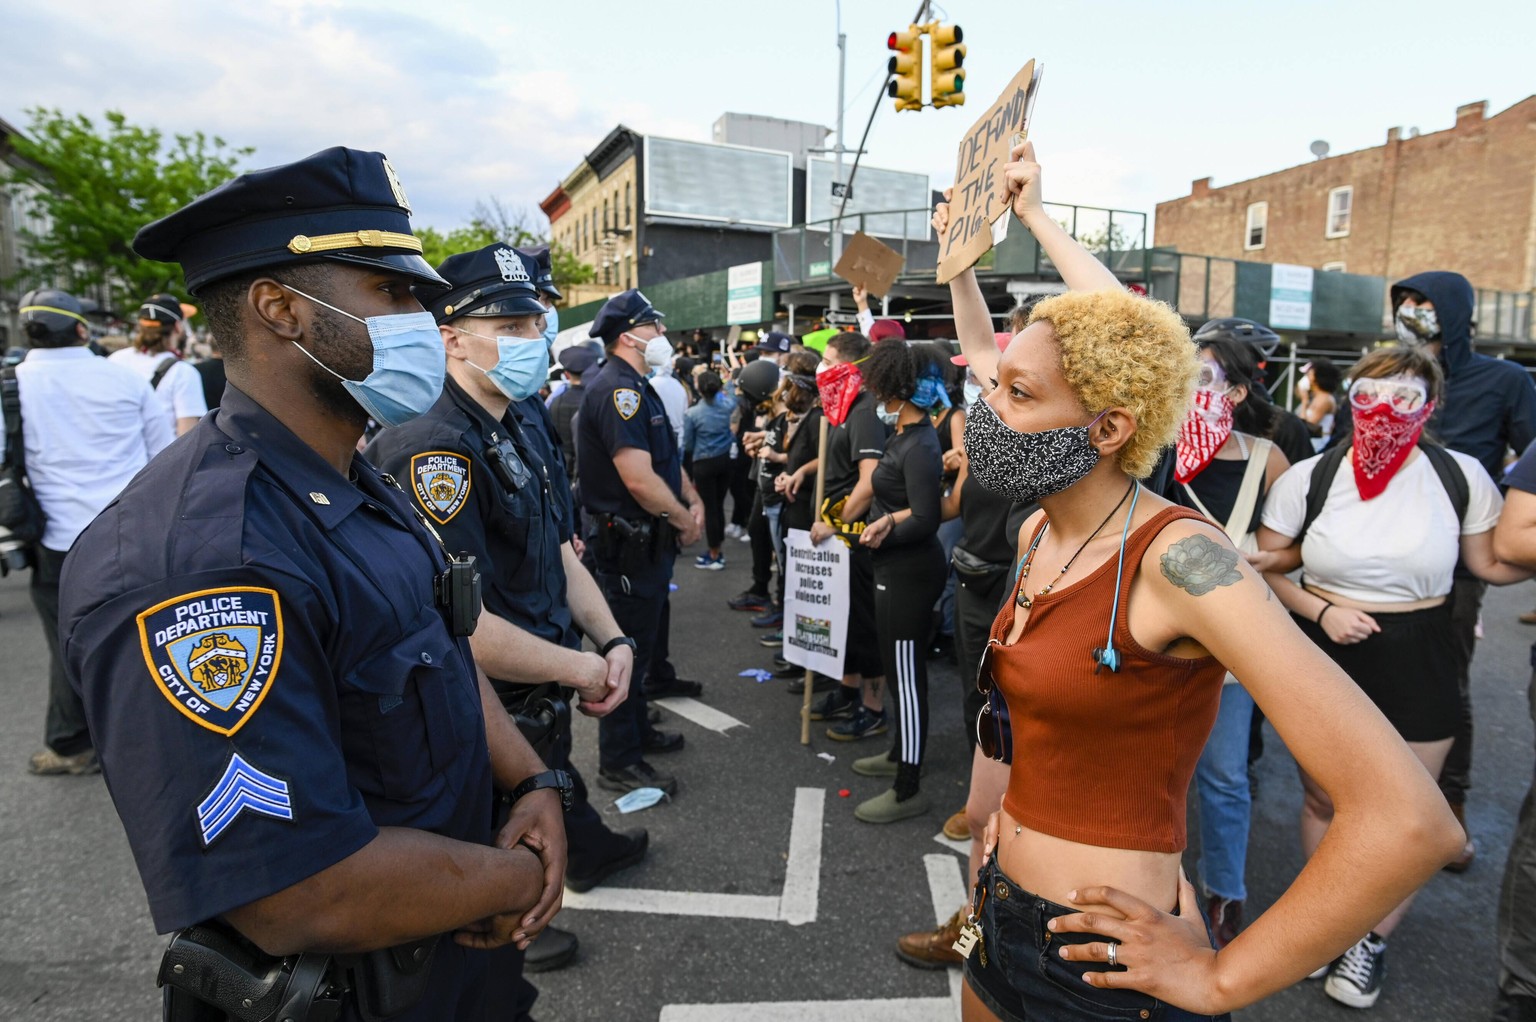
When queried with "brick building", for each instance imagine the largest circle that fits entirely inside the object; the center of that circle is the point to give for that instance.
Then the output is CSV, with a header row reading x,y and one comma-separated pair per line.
x,y
1461,199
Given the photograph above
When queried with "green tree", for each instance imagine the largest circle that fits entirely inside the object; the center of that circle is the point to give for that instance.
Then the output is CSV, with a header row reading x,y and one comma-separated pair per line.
x,y
438,245
517,227
98,184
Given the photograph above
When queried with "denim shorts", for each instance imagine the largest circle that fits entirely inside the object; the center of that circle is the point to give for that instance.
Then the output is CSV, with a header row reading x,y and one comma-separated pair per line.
x,y
1025,978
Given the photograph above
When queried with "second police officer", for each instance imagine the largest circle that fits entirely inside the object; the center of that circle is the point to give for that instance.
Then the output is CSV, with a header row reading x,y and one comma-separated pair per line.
x,y
483,466
640,507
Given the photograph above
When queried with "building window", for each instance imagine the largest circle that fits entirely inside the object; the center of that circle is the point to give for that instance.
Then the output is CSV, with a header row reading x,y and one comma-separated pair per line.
x,y
1258,226
1333,267
1340,202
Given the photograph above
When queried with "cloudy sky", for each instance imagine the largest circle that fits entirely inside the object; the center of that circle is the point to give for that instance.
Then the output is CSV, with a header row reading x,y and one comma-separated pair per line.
x,y
473,99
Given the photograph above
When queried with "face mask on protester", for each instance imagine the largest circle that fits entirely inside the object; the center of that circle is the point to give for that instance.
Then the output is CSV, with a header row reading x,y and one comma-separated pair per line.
x,y
972,393
1026,466
1417,324
522,365
1389,417
1205,428
886,416
551,326
408,364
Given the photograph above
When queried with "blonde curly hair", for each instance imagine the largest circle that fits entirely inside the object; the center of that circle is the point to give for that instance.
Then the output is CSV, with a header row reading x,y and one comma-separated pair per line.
x,y
1119,350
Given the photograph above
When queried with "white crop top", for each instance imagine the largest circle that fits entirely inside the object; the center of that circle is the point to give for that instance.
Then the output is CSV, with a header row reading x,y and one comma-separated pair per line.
x,y
1400,547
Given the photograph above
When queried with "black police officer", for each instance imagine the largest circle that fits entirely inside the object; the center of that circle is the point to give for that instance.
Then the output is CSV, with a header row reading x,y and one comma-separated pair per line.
x,y
640,507
483,467
270,644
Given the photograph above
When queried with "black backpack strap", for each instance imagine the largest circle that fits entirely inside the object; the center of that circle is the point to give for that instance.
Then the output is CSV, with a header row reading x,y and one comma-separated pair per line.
x,y
1451,477
15,451
1322,479
165,367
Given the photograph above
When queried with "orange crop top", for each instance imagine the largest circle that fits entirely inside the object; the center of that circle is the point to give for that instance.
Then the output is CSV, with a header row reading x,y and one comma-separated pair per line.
x,y
1102,759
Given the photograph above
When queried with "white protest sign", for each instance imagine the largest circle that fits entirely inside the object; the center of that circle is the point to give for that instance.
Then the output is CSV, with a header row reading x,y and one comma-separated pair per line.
x,y
815,603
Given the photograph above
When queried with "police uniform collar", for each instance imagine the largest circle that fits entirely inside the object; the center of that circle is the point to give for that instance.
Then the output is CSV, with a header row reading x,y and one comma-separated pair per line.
x,y
297,467
623,368
474,410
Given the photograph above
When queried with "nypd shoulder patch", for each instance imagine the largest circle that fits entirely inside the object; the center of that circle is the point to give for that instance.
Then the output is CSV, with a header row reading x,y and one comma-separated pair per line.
x,y
627,402
242,788
214,653
441,481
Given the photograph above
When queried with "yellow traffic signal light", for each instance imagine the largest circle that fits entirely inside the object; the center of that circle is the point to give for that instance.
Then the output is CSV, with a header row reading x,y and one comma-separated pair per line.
x,y
906,67
946,79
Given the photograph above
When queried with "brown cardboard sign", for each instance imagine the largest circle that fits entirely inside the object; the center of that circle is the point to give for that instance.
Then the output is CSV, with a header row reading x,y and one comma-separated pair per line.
x,y
870,264
979,197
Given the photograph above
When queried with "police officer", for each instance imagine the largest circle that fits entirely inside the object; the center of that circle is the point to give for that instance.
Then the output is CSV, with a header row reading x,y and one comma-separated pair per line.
x,y
640,506
577,361
271,646
543,268
483,467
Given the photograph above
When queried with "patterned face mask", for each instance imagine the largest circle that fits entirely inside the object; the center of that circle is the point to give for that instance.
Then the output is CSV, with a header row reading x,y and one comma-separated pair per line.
x,y
1417,324
1383,439
1205,429
1026,466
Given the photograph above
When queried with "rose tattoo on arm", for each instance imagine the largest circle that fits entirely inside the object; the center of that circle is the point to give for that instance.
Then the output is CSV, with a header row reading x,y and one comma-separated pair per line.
x,y
1198,564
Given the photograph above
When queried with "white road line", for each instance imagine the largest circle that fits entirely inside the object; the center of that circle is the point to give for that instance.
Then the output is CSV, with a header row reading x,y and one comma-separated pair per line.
x,y
946,886
802,874
704,716
958,847
796,904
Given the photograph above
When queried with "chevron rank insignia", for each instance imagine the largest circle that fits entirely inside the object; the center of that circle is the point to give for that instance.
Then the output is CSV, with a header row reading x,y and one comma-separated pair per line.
x,y
214,653
243,788
627,402
441,480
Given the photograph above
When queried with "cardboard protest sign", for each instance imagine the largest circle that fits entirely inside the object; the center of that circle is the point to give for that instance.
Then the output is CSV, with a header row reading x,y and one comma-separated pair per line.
x,y
815,603
979,196
869,264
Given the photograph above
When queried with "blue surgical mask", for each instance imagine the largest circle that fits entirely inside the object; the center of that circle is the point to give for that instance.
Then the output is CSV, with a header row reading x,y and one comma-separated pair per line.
x,y
551,326
886,416
972,393
522,365
408,364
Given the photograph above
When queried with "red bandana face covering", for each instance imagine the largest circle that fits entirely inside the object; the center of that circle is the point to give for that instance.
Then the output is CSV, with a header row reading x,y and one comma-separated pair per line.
x,y
1205,429
1384,437
839,386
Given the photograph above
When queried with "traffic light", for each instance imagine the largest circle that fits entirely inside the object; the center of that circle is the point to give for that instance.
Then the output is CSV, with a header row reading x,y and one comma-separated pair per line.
x,y
906,67
946,55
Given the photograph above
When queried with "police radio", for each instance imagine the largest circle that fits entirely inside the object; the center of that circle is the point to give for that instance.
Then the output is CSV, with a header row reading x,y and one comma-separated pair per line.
x,y
457,591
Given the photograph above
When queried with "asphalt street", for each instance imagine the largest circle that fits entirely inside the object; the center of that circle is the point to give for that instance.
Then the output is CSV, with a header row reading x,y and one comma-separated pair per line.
x,y
775,926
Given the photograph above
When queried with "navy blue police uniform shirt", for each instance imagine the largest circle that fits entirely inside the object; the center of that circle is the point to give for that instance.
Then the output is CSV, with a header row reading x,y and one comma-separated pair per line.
x,y
441,460
266,673
539,426
621,410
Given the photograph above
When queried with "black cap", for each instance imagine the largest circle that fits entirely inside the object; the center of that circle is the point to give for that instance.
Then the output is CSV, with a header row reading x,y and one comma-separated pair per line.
x,y
544,279
775,342
496,280
57,310
578,358
161,308
342,205
624,311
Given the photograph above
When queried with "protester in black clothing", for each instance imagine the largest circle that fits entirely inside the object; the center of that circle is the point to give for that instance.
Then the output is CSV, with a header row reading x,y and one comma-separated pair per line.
x,y
908,561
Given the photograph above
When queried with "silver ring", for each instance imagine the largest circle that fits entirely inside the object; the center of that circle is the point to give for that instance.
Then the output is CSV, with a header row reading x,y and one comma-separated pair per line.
x,y
1112,947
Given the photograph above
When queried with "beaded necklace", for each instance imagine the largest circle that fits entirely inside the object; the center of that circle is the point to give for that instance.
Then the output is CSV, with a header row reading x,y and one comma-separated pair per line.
x,y
1028,602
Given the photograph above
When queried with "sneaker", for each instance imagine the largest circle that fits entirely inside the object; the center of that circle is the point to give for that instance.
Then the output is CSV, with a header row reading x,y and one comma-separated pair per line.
x,y
623,851
933,949
1355,978
744,537
664,688
641,775
732,530
708,563
820,682
47,763
863,724
769,619
773,640
748,601
833,707
879,765
886,808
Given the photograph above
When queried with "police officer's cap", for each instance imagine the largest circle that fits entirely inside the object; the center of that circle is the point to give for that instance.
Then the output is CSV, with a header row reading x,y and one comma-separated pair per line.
x,y
161,308
544,279
56,311
340,205
493,281
624,311
578,358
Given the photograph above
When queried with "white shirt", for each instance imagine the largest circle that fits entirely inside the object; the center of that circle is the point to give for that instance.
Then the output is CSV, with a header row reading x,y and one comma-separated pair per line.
x,y
89,425
1400,546
180,390
675,396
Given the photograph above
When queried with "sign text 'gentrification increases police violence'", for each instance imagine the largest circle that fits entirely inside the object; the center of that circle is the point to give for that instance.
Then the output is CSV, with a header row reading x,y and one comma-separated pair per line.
x,y
815,603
